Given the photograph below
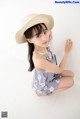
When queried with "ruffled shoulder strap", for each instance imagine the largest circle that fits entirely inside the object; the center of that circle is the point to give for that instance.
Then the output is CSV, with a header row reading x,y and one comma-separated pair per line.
x,y
48,48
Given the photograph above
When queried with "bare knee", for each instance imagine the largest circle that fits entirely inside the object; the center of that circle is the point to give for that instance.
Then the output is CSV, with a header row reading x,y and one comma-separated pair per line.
x,y
67,73
72,74
71,82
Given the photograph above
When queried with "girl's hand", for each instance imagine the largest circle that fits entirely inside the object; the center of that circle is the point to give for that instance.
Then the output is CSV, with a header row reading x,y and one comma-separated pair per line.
x,y
68,46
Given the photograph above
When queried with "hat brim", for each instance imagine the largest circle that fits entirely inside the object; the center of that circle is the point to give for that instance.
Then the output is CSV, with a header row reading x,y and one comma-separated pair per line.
x,y
41,18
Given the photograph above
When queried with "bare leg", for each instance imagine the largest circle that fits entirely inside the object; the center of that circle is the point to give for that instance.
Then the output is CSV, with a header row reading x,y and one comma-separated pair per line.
x,y
66,81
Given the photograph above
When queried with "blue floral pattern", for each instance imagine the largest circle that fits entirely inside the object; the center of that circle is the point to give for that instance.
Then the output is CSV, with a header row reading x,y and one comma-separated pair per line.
x,y
43,81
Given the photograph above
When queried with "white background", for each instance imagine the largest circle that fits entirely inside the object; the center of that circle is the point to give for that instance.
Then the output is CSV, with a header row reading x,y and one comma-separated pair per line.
x,y
14,77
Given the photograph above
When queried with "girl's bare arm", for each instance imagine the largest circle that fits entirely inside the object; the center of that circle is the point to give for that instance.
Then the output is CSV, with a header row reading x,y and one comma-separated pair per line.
x,y
67,50
42,63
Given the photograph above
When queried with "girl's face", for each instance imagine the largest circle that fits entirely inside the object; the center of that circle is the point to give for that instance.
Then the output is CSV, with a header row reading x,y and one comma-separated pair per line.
x,y
41,39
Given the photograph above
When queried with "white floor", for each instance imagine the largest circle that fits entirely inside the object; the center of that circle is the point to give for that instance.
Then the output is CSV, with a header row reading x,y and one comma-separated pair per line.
x,y
19,100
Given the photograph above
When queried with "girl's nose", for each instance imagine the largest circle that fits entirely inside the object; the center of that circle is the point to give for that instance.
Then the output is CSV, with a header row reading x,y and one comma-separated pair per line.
x,y
49,35
44,37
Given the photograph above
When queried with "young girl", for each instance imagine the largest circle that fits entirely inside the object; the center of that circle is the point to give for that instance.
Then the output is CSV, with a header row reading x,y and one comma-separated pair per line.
x,y
48,75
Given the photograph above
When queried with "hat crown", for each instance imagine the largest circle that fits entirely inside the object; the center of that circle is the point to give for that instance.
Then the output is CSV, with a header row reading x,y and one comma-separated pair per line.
x,y
28,18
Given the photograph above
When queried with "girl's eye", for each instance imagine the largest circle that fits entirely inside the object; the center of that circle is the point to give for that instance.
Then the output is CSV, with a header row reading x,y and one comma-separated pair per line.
x,y
38,35
45,31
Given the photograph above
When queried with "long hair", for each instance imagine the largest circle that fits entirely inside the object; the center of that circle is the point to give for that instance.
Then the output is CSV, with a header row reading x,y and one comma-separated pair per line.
x,y
29,34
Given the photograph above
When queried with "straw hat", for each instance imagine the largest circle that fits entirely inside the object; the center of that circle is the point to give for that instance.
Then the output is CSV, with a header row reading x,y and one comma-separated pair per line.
x,y
31,20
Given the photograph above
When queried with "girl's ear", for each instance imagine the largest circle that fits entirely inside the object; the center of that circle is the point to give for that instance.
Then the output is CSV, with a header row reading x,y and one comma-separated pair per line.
x,y
29,40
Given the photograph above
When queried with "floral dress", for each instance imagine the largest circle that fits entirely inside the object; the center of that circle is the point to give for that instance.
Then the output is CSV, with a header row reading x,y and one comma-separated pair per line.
x,y
45,82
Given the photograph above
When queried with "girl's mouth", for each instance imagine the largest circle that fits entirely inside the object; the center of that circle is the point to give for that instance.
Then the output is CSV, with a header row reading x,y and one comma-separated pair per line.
x,y
44,43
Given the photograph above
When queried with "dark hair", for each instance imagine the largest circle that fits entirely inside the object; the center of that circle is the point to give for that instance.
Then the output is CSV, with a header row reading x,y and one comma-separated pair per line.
x,y
29,34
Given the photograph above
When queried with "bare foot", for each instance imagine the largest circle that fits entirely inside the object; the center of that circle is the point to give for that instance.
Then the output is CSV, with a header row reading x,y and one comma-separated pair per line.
x,y
39,94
